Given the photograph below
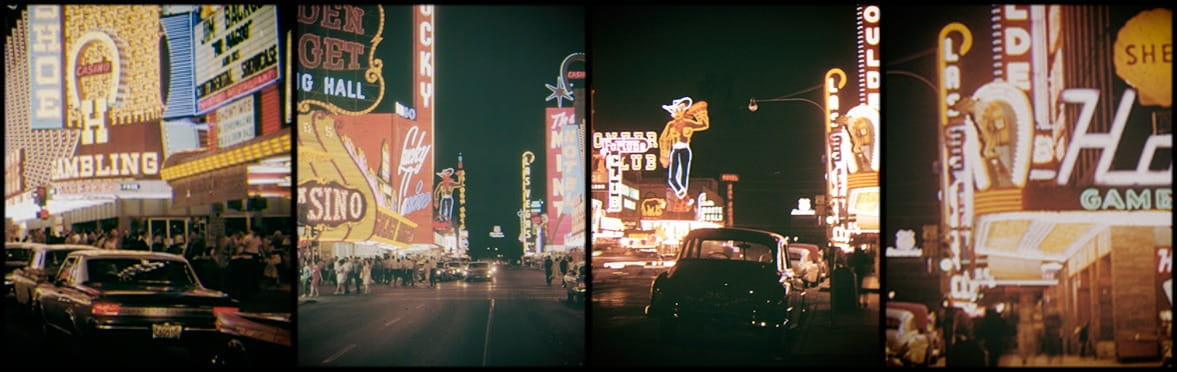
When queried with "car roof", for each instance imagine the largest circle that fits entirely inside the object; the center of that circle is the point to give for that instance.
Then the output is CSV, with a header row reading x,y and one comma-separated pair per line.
x,y
102,253
733,233
55,247
919,311
26,245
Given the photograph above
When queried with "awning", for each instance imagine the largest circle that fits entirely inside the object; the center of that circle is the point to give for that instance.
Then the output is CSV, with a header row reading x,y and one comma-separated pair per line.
x,y
1018,244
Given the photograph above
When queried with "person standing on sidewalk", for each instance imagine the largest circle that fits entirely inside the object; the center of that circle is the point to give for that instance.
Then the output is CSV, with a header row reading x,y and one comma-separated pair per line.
x,y
340,276
992,331
316,277
366,272
563,270
1084,344
548,270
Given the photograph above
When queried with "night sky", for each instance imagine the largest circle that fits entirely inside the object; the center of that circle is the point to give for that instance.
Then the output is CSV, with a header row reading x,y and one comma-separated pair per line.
x,y
492,64
644,57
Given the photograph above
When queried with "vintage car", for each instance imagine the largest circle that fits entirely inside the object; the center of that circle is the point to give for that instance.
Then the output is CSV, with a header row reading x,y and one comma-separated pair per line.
x,y
254,340
910,335
574,282
480,271
102,298
16,255
804,266
455,270
737,278
815,255
44,260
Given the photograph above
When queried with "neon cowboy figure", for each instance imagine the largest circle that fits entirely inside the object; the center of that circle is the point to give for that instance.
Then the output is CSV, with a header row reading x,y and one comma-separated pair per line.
x,y
445,194
675,141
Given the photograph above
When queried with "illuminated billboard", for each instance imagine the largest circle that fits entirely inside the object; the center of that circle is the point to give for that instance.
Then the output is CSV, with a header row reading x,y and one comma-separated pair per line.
x,y
346,179
390,151
337,66
563,166
686,118
236,53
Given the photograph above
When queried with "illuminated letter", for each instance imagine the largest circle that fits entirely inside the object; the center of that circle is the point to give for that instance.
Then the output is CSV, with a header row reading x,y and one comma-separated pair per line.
x,y
1143,200
1090,199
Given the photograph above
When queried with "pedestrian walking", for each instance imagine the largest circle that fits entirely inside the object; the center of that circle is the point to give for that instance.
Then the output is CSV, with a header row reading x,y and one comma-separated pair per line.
x,y
1052,344
993,333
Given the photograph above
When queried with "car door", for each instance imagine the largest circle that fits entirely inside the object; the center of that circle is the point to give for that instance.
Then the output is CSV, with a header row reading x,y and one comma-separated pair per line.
x,y
23,280
51,295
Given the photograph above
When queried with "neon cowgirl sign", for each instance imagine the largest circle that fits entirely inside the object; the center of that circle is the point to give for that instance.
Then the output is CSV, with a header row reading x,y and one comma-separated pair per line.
x,y
414,152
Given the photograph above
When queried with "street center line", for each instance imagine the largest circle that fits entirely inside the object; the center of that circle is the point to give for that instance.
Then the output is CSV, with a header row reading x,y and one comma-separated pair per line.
x,y
421,305
392,321
339,354
489,320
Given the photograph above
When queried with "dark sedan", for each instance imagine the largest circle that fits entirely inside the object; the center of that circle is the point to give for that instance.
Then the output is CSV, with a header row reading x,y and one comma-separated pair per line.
x,y
43,262
738,279
105,298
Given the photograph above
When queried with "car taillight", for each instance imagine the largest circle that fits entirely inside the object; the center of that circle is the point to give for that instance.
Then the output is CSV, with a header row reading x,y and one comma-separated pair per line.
x,y
105,308
224,310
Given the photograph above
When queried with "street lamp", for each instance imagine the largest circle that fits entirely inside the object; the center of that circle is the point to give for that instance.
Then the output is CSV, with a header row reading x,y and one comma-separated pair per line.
x,y
753,106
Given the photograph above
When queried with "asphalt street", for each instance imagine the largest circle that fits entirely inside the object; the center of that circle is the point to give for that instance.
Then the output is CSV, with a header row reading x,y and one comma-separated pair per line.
x,y
515,321
621,335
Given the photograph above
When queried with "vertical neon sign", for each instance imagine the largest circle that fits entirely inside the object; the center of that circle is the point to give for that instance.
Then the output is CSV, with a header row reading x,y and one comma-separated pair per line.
x,y
956,179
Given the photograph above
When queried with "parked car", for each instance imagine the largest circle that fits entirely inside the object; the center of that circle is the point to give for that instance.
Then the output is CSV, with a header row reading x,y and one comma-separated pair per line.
x,y
480,271
103,298
254,340
738,278
574,282
43,262
815,255
910,336
16,255
804,266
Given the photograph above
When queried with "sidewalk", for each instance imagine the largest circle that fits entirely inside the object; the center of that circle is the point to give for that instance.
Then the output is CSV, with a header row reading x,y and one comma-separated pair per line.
x,y
1012,360
846,338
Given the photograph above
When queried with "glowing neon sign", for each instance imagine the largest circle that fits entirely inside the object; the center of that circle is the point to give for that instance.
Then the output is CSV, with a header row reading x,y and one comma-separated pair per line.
x,y
687,117
869,78
956,183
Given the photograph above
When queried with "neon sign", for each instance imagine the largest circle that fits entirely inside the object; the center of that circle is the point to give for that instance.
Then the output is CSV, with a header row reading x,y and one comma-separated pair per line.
x,y
634,146
331,204
46,81
834,80
414,153
687,117
869,78
525,176
333,70
956,184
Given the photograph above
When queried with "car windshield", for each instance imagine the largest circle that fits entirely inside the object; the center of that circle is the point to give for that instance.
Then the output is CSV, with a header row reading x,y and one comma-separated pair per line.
x,y
479,265
14,255
734,250
54,258
137,271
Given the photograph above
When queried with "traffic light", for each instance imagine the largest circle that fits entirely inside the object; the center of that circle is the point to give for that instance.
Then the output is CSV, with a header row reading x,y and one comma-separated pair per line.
x,y
41,196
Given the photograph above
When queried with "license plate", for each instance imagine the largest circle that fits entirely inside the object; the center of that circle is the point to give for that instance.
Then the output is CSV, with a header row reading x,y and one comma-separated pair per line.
x,y
166,331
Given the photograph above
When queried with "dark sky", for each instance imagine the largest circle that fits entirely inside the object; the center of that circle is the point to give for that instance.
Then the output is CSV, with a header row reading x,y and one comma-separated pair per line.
x,y
492,64
644,57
